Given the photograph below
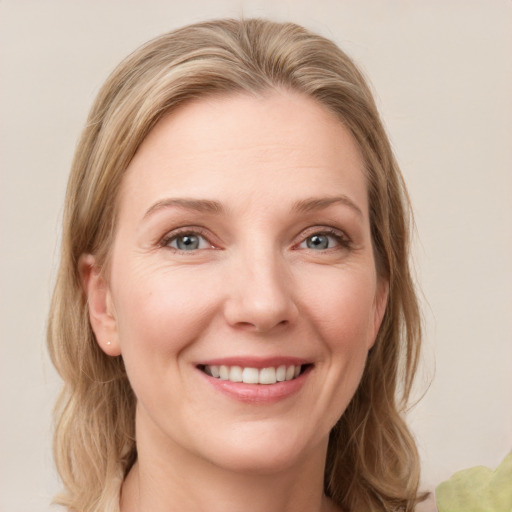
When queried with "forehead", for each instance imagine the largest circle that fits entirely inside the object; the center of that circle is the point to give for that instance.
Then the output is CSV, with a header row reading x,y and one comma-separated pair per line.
x,y
278,145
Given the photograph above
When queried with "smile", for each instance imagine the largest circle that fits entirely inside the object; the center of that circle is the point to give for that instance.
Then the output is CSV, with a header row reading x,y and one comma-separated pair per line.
x,y
248,375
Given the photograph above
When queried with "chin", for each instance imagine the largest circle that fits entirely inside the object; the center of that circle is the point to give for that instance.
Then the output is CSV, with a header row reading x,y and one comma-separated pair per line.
x,y
259,452
258,463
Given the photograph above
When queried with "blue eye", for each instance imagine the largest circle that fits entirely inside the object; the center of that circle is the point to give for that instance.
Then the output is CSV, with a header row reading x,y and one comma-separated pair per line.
x,y
318,242
187,242
323,241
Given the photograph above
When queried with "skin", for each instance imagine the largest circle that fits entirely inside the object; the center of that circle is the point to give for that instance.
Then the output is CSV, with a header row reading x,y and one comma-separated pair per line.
x,y
256,286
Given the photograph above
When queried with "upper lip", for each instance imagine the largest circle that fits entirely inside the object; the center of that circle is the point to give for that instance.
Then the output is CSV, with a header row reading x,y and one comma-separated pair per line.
x,y
255,362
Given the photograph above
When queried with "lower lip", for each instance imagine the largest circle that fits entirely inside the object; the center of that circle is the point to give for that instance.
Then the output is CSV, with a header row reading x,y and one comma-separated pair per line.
x,y
258,393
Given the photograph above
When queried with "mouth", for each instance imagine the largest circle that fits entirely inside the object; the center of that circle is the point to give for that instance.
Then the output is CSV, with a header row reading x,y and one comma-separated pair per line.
x,y
249,375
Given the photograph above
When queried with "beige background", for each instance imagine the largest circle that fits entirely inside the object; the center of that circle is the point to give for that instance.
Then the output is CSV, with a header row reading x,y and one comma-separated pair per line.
x,y
442,71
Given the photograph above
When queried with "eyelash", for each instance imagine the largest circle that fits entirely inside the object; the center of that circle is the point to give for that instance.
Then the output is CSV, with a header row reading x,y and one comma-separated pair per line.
x,y
193,231
341,238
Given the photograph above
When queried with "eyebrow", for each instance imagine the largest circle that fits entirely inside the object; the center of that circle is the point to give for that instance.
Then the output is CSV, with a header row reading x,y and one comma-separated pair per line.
x,y
210,206
198,205
320,203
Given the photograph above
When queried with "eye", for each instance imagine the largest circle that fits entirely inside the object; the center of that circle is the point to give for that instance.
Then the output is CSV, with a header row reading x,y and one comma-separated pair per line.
x,y
322,241
189,241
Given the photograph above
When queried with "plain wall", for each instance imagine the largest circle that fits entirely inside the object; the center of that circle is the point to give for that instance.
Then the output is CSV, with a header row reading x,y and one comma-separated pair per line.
x,y
442,72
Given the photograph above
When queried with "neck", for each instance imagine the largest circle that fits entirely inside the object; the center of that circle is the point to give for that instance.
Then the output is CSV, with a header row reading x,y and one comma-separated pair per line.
x,y
175,479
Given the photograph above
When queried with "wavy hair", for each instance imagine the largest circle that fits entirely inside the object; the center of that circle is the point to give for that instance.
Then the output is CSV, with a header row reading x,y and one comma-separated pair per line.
x,y
372,462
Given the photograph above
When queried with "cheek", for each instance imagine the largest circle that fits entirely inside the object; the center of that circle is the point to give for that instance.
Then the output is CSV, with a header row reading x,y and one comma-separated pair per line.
x,y
159,317
343,315
344,308
159,313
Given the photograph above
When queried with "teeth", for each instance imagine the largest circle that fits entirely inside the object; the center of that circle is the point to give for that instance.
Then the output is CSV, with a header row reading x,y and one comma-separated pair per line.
x,y
223,373
250,376
235,374
269,375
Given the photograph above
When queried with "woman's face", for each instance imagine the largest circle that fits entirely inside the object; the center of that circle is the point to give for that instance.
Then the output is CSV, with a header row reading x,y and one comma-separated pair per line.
x,y
242,252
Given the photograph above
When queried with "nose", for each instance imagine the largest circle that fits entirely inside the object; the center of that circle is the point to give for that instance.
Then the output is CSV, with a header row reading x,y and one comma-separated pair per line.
x,y
260,294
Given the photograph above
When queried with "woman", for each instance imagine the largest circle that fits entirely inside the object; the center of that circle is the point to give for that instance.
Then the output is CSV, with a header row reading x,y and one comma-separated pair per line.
x,y
234,317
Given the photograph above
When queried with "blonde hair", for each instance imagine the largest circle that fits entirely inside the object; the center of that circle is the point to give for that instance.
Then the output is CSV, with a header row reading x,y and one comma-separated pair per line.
x,y
372,463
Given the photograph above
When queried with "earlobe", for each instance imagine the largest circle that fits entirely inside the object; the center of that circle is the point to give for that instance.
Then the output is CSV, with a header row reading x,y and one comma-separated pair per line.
x,y
101,313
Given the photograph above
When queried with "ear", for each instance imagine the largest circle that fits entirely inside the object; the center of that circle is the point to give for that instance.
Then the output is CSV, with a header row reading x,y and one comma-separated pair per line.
x,y
379,307
99,301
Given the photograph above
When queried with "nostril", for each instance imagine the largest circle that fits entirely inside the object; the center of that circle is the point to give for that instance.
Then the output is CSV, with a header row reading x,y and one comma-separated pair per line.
x,y
245,325
261,326
259,313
